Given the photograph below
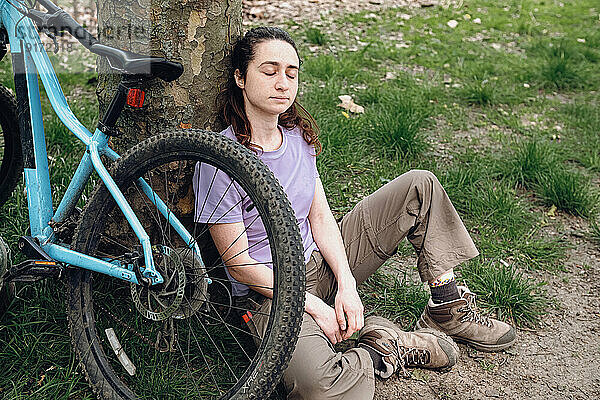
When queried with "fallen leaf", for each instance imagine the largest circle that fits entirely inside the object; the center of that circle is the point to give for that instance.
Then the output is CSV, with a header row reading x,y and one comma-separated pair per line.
x,y
257,12
452,23
349,104
552,211
345,114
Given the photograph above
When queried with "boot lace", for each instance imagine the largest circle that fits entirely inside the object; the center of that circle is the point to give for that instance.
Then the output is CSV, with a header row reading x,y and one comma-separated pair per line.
x,y
472,314
411,357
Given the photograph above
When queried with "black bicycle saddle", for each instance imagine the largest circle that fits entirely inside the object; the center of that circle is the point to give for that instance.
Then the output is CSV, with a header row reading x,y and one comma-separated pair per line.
x,y
139,64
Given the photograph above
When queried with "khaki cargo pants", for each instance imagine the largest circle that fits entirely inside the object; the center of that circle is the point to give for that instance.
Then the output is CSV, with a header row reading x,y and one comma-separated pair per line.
x,y
414,205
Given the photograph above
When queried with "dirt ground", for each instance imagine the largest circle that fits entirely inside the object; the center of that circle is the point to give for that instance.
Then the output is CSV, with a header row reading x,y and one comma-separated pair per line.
x,y
561,360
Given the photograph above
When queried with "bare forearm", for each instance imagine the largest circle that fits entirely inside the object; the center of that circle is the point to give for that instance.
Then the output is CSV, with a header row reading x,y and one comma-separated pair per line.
x,y
329,241
348,315
256,276
232,243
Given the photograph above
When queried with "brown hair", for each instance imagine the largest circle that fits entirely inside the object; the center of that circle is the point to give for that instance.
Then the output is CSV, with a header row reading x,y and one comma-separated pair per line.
x,y
231,101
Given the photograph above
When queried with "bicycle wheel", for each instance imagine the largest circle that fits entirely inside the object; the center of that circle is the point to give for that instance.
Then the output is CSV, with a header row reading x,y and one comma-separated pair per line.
x,y
185,337
11,158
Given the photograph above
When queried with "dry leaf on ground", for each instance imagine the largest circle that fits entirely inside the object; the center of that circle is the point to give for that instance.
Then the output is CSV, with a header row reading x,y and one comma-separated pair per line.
x,y
349,104
452,23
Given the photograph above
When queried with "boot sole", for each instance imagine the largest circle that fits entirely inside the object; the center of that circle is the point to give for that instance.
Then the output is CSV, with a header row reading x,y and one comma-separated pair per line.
x,y
490,348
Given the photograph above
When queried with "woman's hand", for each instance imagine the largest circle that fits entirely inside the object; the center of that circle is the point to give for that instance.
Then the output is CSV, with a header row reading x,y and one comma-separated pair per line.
x,y
349,311
324,316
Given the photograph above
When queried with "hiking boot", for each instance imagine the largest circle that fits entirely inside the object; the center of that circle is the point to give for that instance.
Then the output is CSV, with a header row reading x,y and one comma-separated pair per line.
x,y
424,348
461,320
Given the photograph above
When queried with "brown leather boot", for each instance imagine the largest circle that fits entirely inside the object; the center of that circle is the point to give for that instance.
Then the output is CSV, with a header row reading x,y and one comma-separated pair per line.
x,y
424,348
461,320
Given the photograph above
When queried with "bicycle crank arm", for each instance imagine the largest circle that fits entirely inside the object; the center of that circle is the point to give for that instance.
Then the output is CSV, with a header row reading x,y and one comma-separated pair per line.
x,y
31,248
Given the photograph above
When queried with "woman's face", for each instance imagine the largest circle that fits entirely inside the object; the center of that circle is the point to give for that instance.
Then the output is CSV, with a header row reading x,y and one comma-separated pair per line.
x,y
271,82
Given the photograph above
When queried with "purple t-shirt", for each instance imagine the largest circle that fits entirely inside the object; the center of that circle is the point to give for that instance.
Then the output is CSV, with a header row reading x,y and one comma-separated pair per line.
x,y
293,164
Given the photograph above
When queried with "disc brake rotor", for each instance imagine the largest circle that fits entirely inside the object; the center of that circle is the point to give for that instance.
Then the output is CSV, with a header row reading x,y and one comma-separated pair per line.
x,y
159,302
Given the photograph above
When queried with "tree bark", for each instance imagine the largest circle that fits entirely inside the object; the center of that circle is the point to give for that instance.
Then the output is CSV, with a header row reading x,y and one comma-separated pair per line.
x,y
196,33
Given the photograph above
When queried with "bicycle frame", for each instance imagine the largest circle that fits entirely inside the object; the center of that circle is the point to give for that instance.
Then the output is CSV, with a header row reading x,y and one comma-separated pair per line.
x,y
30,60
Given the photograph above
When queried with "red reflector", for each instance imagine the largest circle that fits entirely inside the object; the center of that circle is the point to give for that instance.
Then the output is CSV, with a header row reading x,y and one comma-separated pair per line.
x,y
246,317
135,98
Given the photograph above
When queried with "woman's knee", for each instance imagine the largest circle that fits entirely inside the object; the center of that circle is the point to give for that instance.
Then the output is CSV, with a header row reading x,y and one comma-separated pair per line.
x,y
326,375
324,386
424,179
422,175
304,380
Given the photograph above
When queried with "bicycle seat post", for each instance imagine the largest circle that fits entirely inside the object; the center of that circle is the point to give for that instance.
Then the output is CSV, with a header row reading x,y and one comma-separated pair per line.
x,y
125,94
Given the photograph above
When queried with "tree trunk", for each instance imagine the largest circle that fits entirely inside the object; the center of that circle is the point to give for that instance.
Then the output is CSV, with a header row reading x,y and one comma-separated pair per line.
x,y
196,33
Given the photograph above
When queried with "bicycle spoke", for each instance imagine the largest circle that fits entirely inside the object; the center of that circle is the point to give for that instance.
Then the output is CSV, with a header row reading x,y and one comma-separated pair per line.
x,y
247,284
208,191
238,238
228,324
114,241
187,363
215,264
218,350
237,308
235,255
153,205
203,356
248,264
215,350
233,336
231,333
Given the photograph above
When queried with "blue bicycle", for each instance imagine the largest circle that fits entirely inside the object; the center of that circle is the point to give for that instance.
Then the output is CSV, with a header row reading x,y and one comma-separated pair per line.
x,y
150,307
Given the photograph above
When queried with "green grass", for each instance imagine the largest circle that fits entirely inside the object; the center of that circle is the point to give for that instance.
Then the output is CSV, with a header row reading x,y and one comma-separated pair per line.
x,y
395,125
595,231
569,191
479,91
394,296
560,66
583,119
530,163
477,105
507,292
315,36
